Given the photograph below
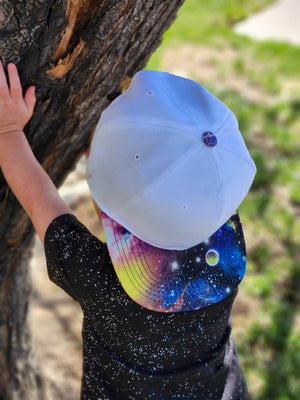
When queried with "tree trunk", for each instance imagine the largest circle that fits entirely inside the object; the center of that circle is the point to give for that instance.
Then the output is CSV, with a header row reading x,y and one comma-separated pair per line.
x,y
76,52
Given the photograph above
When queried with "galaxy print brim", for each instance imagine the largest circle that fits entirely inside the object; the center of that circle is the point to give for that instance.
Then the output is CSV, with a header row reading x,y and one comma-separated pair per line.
x,y
178,280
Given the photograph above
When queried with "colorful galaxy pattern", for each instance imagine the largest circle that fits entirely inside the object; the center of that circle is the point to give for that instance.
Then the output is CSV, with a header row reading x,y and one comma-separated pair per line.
x,y
171,280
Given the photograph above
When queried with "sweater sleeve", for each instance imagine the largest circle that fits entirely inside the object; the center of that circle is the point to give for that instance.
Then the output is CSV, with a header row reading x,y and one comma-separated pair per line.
x,y
74,256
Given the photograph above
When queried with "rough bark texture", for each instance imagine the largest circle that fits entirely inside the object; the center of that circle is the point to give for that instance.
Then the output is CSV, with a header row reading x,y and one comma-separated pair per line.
x,y
76,52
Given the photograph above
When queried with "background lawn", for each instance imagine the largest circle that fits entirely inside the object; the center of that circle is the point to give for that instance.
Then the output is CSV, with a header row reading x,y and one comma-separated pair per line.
x,y
259,81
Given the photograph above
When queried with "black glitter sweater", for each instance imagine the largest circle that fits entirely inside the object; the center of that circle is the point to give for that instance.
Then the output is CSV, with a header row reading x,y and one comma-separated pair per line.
x,y
133,353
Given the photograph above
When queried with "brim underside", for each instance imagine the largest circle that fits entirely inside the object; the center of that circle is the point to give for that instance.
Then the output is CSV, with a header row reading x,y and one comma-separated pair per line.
x,y
178,280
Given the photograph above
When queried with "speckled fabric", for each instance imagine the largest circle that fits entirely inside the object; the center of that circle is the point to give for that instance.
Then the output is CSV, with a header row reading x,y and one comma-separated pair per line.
x,y
130,352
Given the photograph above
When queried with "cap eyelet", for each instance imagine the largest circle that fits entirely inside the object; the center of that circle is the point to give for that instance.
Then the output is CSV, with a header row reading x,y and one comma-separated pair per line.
x,y
137,156
150,92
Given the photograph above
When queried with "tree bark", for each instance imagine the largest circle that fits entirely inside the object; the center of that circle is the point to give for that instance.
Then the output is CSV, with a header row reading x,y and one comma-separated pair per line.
x,y
76,52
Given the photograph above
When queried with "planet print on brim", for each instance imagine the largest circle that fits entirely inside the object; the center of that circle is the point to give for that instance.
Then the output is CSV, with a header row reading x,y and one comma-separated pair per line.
x,y
178,280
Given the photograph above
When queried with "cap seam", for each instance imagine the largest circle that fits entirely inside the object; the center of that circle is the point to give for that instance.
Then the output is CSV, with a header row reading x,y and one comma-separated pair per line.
x,y
221,192
159,123
167,173
179,104
229,114
238,155
191,113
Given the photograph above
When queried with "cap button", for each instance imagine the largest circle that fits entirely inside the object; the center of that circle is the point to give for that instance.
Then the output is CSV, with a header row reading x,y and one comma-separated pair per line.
x,y
209,139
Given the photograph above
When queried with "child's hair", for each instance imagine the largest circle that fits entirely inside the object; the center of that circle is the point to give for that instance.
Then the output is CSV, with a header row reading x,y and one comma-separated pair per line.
x,y
125,83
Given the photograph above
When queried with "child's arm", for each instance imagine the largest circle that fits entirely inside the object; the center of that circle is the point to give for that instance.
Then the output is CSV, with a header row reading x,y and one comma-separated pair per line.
x,y
25,176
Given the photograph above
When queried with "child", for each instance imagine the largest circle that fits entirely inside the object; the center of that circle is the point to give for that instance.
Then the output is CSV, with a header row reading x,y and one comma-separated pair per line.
x,y
167,170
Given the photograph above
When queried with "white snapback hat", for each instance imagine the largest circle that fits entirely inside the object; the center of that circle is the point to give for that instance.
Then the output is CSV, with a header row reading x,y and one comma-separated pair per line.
x,y
168,167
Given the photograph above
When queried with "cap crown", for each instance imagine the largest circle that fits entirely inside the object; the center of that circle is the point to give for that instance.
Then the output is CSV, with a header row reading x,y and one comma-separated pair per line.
x,y
151,169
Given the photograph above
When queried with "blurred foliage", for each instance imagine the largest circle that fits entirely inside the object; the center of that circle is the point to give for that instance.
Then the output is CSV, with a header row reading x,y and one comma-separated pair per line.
x,y
260,83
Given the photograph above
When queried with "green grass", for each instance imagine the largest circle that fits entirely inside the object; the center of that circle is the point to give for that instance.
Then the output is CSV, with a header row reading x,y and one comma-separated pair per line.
x,y
199,23
259,81
210,24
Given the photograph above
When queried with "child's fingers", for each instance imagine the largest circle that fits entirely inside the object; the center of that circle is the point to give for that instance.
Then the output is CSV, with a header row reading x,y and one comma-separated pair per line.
x,y
14,81
30,98
3,81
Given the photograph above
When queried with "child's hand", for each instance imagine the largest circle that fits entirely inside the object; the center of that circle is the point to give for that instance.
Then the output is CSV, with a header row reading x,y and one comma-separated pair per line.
x,y
15,110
